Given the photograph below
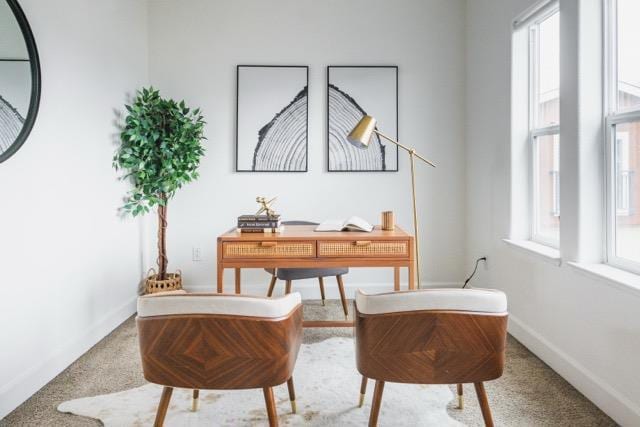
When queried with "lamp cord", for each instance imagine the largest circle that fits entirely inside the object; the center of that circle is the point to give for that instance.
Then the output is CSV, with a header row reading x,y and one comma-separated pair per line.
x,y
484,258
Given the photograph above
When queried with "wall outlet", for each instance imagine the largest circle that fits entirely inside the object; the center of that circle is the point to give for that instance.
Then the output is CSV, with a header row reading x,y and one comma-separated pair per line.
x,y
196,254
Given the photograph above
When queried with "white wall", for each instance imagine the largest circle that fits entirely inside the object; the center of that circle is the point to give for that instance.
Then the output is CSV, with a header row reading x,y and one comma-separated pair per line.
x,y
587,329
195,46
69,265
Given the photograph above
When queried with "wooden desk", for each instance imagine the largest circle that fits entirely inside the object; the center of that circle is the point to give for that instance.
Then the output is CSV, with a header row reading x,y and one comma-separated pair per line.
x,y
298,246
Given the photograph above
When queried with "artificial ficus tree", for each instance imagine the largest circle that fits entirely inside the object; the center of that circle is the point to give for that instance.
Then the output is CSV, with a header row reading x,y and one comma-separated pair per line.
x,y
160,151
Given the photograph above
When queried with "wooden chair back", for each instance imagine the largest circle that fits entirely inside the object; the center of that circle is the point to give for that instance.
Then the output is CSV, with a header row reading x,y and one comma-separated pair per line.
x,y
219,351
431,346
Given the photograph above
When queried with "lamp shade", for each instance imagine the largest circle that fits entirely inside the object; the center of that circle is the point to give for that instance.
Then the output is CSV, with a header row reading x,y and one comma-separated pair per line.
x,y
361,133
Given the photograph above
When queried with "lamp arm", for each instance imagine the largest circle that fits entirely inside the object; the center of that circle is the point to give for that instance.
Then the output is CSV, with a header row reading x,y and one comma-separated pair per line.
x,y
410,150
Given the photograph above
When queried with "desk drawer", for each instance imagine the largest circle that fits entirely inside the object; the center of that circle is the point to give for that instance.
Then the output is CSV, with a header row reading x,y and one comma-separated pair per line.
x,y
269,249
368,248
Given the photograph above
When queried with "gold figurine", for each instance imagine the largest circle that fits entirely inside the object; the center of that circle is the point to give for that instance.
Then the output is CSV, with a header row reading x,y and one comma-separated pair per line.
x,y
265,206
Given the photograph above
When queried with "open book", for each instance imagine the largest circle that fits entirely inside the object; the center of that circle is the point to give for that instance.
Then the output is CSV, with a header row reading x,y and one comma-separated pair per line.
x,y
351,224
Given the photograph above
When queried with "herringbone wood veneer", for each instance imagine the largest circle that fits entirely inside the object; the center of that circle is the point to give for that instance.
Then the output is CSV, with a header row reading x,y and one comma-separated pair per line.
x,y
431,347
219,352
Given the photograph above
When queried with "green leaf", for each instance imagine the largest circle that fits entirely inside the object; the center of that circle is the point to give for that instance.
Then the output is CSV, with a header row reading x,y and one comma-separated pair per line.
x,y
160,149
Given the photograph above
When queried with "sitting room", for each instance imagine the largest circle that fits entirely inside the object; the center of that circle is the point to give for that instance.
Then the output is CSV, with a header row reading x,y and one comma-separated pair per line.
x,y
320,213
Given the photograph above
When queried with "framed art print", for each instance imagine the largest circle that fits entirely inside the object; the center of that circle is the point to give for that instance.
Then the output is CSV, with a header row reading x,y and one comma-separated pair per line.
x,y
352,92
272,118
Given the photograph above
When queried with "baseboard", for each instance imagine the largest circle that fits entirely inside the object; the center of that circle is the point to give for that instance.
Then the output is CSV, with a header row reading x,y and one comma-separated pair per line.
x,y
607,398
310,289
23,386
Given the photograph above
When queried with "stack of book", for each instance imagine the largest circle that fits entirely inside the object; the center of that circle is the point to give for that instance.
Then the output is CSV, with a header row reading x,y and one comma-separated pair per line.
x,y
259,224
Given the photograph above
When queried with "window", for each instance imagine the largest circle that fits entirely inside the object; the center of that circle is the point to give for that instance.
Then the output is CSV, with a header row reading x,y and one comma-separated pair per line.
x,y
623,133
544,127
623,181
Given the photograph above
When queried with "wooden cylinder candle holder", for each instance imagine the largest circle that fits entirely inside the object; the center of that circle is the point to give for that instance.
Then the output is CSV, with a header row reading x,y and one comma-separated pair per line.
x,y
388,221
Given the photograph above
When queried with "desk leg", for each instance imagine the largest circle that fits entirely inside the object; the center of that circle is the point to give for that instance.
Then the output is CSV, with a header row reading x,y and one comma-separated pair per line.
x,y
412,276
220,279
396,278
238,287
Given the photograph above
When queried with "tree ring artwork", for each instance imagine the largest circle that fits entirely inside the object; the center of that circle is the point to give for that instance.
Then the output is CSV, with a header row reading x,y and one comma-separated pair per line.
x,y
352,92
272,118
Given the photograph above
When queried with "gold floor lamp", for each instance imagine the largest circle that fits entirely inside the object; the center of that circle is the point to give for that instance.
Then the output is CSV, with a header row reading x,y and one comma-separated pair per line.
x,y
360,137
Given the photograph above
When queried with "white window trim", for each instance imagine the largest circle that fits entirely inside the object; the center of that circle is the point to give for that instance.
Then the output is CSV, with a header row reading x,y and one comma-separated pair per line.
x,y
617,277
613,117
534,12
542,13
537,250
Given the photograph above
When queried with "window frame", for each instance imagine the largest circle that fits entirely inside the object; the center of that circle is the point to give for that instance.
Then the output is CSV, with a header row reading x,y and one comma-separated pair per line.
x,y
613,116
535,132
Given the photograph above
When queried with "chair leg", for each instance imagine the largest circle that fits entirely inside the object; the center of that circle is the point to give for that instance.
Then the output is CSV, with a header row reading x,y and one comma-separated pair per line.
x,y
377,401
460,397
321,280
363,391
292,395
163,406
343,298
195,400
484,404
272,285
288,288
271,406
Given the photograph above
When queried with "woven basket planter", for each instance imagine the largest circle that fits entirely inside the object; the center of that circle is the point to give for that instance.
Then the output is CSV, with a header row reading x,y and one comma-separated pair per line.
x,y
153,284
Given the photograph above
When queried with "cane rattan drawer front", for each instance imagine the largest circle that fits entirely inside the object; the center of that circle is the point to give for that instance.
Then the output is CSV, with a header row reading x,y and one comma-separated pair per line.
x,y
270,249
364,248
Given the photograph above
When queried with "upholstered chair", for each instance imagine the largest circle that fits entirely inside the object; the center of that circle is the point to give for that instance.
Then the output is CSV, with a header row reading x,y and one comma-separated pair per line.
x,y
219,342
291,274
431,336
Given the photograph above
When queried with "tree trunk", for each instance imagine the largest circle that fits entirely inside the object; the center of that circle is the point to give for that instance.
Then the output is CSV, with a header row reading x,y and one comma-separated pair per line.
x,y
162,238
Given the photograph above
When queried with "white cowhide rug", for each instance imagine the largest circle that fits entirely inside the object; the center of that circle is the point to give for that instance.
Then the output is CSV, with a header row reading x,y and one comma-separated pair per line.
x,y
327,389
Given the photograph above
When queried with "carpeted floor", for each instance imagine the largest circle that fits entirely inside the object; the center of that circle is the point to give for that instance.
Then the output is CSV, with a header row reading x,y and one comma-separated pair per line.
x,y
528,394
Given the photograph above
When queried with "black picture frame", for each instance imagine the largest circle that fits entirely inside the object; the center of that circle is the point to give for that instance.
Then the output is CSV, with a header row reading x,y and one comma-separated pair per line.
x,y
36,83
306,151
397,156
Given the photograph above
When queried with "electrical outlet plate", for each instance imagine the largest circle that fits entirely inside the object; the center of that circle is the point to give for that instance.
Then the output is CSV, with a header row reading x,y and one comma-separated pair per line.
x,y
196,254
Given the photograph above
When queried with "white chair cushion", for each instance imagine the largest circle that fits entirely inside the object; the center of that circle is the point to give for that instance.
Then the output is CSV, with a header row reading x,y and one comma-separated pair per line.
x,y
478,300
212,303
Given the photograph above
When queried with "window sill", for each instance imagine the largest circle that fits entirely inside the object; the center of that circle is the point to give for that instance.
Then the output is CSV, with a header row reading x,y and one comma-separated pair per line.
x,y
542,252
612,275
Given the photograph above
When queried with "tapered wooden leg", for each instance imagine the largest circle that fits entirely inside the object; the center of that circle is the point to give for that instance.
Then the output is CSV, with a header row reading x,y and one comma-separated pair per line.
x,y
363,391
292,395
412,276
321,280
238,288
396,278
163,406
271,406
377,401
343,298
460,397
484,404
288,287
220,279
195,400
272,285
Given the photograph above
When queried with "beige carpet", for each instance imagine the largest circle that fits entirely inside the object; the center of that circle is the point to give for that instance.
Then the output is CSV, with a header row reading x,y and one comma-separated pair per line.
x,y
327,384
528,394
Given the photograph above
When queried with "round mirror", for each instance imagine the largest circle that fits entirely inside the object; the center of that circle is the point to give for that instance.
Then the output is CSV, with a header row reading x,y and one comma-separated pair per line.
x,y
19,78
